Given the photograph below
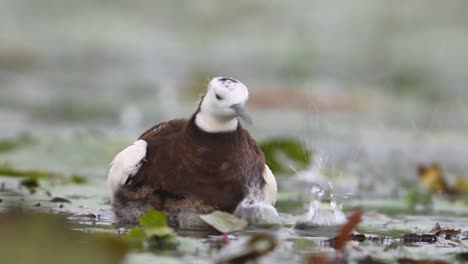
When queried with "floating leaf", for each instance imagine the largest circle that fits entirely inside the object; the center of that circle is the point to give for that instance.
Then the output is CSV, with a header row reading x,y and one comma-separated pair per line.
x,y
153,219
78,179
137,235
159,232
244,251
8,171
154,232
224,222
59,200
292,149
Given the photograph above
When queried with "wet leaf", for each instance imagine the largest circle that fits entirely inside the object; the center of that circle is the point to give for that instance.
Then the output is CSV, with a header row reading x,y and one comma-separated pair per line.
x,y
159,232
243,252
137,235
291,148
153,219
59,200
154,232
224,222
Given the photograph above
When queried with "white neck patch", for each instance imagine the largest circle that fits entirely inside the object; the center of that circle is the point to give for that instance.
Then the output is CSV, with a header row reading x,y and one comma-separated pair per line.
x,y
213,125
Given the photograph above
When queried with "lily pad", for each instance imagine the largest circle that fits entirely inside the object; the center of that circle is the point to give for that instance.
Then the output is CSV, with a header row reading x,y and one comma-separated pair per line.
x,y
224,222
153,219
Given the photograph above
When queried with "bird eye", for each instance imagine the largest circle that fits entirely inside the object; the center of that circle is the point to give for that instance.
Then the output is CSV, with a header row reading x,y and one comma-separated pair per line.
x,y
218,97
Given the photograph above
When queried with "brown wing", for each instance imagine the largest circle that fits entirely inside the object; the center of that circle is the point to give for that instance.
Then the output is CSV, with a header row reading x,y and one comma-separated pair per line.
x,y
160,138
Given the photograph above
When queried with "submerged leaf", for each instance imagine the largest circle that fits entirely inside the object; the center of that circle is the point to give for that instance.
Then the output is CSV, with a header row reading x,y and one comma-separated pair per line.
x,y
224,222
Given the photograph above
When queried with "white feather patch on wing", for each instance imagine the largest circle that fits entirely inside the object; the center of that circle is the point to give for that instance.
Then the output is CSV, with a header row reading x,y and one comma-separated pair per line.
x,y
270,190
126,164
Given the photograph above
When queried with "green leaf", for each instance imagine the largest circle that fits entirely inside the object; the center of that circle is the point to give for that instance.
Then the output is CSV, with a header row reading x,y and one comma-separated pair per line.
x,y
137,235
78,179
291,148
30,183
159,232
224,222
153,219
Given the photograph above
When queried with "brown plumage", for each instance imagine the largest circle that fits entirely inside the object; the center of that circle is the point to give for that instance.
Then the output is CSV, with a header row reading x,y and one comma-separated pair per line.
x,y
190,170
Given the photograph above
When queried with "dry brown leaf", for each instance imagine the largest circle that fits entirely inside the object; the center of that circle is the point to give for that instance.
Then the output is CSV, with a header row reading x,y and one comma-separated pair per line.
x,y
432,177
343,236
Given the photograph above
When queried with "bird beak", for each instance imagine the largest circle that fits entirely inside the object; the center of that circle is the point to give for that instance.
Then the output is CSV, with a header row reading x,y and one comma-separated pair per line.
x,y
240,112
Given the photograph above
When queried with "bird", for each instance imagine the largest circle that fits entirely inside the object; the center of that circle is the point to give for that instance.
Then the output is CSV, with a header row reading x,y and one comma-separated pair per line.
x,y
194,166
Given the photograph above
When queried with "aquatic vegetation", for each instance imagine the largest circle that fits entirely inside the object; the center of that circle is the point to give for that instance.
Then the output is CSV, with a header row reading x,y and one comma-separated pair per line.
x,y
7,170
224,222
153,232
292,149
7,145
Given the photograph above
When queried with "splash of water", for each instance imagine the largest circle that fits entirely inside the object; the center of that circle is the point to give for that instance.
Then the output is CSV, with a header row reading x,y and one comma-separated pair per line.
x,y
324,208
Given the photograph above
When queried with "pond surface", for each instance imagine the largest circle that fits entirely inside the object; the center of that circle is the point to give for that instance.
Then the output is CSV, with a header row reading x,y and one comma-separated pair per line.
x,y
87,206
